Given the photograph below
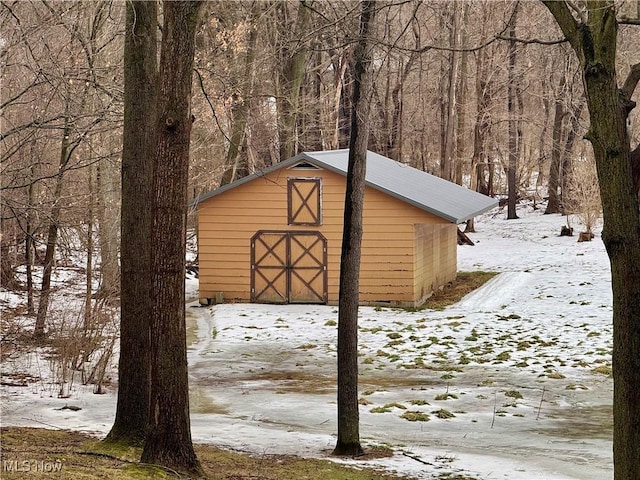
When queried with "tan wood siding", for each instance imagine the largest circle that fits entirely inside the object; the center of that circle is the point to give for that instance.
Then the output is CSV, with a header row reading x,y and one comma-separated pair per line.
x,y
436,258
390,271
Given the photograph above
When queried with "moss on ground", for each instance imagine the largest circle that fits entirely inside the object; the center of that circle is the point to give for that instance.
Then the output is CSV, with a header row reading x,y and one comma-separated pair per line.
x,y
77,456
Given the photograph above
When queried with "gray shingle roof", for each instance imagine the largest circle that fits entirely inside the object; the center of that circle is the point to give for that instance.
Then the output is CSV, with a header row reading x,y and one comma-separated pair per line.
x,y
430,193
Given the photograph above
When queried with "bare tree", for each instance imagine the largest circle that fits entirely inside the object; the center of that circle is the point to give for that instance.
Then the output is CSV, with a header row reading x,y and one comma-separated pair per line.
x,y
348,442
57,94
292,55
136,294
237,161
512,94
592,31
168,439
553,204
582,195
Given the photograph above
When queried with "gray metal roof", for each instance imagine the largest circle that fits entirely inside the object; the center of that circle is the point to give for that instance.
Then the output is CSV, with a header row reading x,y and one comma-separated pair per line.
x,y
430,193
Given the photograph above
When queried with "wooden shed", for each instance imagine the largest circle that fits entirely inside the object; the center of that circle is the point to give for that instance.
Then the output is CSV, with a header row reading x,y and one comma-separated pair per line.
x,y
275,236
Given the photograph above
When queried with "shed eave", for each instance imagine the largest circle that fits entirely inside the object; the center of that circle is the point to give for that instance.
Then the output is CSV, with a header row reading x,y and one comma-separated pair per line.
x,y
456,214
261,173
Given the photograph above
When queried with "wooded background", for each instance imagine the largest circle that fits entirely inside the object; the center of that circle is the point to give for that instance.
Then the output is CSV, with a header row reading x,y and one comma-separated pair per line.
x,y
461,89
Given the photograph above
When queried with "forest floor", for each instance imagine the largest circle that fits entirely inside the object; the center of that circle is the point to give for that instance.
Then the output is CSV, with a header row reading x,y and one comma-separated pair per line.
x,y
35,453
512,382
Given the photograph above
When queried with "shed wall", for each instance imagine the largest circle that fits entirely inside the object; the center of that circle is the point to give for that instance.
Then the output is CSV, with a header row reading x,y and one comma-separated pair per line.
x,y
436,257
388,267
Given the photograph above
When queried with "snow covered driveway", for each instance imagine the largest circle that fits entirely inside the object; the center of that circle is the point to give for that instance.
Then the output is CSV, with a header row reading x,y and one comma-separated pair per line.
x,y
514,379
511,383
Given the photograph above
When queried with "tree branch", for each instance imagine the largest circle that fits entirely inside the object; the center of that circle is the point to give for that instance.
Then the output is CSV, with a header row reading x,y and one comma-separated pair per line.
x,y
631,81
529,41
566,21
624,20
578,10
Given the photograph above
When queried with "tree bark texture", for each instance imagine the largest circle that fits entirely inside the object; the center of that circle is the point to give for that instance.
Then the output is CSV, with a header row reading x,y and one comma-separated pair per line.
x,y
8,278
136,295
512,186
52,234
553,204
482,124
291,74
237,162
107,228
88,313
168,440
450,106
29,246
566,165
595,45
461,105
348,442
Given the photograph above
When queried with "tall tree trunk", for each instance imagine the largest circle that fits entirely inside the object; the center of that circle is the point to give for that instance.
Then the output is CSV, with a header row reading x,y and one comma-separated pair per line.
x,y
394,146
311,131
567,164
52,234
348,442
553,204
290,78
482,124
513,127
237,161
29,247
594,42
136,293
8,278
461,107
340,67
168,440
543,132
107,228
88,317
448,159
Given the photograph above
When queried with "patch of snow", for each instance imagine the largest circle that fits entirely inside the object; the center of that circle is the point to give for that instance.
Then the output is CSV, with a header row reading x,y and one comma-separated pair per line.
x,y
514,362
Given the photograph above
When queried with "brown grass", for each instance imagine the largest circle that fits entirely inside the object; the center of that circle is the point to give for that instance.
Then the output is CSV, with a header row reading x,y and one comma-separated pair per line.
x,y
83,457
465,283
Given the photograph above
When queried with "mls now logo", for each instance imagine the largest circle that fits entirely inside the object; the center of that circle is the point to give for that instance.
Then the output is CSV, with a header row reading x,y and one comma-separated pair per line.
x,y
15,466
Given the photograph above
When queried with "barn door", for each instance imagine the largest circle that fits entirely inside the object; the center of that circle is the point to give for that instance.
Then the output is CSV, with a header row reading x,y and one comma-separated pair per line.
x,y
269,267
288,267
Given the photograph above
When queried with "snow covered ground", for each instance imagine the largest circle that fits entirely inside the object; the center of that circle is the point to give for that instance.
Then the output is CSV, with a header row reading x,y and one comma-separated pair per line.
x,y
514,378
